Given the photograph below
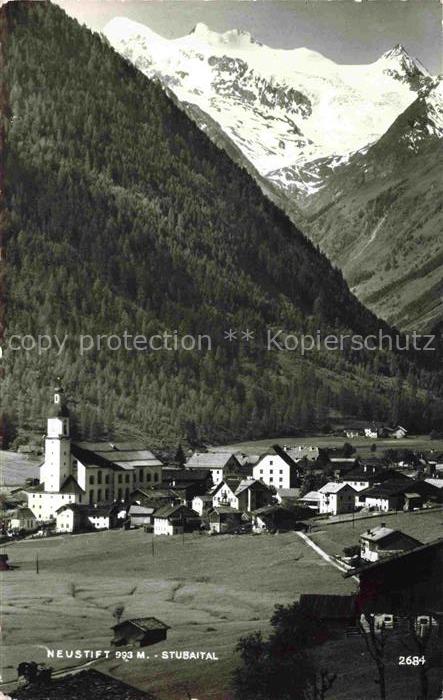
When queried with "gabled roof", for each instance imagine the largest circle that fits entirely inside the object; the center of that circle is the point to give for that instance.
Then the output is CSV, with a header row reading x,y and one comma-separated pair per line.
x,y
224,510
19,513
250,483
88,510
168,511
333,487
70,485
209,460
108,455
284,455
394,487
231,482
146,624
140,510
311,496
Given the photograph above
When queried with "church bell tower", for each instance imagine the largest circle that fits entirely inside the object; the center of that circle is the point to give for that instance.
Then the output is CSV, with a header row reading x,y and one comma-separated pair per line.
x,y
57,465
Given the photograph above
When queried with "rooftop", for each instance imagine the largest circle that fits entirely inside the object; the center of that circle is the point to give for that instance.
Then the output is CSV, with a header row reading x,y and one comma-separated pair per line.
x,y
332,487
82,685
209,460
144,623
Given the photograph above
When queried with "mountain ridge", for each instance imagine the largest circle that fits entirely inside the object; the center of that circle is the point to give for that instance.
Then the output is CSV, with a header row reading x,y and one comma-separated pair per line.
x,y
272,121
122,215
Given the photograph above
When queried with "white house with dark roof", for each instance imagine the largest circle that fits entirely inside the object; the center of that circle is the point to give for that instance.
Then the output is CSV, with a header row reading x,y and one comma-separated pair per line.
x,y
219,463
245,495
277,470
382,541
336,498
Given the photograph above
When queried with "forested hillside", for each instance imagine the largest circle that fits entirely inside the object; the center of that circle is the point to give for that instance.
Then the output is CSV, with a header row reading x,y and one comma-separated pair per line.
x,y
121,215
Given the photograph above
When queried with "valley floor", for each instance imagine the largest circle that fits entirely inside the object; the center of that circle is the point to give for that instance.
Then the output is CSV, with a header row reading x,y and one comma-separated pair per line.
x,y
210,590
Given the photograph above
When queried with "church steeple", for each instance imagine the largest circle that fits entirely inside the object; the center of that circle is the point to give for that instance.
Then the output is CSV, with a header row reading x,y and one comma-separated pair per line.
x,y
57,465
58,408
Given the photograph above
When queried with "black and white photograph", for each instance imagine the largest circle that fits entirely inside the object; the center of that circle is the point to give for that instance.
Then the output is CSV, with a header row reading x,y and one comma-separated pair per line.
x,y
221,335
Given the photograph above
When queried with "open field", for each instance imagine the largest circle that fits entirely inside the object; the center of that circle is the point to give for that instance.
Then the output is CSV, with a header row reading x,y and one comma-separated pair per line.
x,y
15,468
361,444
210,590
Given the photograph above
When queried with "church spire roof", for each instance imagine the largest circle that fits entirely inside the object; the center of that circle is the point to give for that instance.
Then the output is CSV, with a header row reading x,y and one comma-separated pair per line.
x,y
58,408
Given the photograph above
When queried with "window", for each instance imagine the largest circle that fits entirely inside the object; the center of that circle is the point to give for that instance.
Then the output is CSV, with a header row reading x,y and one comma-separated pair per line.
x,y
99,477
271,461
271,478
155,476
91,497
281,471
107,479
127,478
148,476
120,478
91,479
140,475
106,494
99,495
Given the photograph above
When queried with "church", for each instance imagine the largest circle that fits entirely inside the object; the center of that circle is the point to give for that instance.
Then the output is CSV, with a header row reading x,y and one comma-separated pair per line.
x,y
87,473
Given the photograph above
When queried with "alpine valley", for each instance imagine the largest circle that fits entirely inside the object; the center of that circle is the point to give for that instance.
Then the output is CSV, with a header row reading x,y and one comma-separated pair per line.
x,y
121,216
351,152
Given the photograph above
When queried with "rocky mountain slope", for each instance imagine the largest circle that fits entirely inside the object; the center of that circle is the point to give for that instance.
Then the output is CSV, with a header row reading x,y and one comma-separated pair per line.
x,y
295,118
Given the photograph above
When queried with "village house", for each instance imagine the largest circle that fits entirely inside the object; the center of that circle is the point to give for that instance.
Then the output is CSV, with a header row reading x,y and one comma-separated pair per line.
x,y
368,475
138,516
140,631
74,517
398,494
382,541
352,433
86,473
273,517
187,483
408,583
219,464
225,519
299,452
371,432
201,504
21,519
174,520
336,498
277,470
312,500
242,494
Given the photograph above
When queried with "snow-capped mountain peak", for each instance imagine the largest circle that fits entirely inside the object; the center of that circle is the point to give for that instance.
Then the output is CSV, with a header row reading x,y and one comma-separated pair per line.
x,y
404,67
234,38
282,108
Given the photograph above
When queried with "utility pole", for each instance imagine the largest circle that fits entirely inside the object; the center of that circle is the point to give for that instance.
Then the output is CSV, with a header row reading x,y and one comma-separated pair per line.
x,y
36,564
152,545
